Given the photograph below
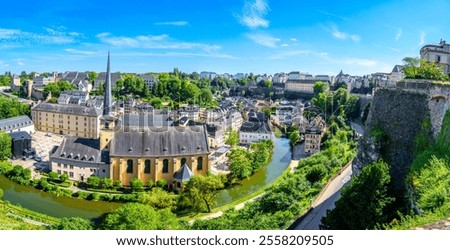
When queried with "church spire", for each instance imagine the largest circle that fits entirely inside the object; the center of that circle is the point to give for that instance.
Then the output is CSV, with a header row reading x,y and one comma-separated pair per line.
x,y
107,102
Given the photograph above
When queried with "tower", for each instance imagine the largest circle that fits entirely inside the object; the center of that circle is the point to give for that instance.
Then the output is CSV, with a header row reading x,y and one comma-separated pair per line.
x,y
108,120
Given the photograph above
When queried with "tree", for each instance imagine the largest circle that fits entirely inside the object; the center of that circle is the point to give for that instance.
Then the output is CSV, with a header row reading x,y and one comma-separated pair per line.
x,y
158,198
294,138
161,183
1,193
53,176
92,76
202,190
5,146
136,184
364,202
415,68
135,216
73,223
94,181
240,163
107,182
233,138
319,87
63,177
57,88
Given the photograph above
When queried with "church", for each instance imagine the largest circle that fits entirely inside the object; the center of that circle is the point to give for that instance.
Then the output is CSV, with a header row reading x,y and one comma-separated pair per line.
x,y
134,146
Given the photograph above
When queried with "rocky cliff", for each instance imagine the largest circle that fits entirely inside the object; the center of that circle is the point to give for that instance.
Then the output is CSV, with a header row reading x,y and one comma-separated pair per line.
x,y
394,119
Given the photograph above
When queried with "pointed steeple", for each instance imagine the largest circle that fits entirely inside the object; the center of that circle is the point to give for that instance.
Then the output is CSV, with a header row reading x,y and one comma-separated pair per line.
x,y
107,102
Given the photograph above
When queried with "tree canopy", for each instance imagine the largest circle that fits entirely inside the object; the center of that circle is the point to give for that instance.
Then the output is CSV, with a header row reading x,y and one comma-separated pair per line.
x,y
57,88
5,146
135,216
10,107
201,191
415,68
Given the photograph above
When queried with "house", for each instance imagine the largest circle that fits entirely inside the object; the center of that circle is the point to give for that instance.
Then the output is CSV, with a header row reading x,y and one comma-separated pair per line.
x,y
255,129
303,86
437,53
101,79
21,144
15,83
396,75
313,135
18,123
216,137
41,81
73,97
149,80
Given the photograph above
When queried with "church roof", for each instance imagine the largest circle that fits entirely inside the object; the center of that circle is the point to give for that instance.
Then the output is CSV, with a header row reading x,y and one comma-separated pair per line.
x,y
184,174
81,149
160,141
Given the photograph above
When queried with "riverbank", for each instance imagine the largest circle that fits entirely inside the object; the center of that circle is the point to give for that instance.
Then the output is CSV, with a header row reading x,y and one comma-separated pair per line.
x,y
14,217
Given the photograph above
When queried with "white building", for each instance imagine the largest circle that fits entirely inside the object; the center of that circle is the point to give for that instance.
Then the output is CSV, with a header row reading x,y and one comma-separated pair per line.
x,y
149,81
304,86
437,53
18,123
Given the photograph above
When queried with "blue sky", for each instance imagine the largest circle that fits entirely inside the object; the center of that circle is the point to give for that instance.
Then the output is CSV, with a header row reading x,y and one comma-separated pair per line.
x,y
225,36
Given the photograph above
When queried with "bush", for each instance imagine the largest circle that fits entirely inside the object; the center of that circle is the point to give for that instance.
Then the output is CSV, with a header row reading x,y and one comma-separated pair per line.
x,y
150,183
161,183
53,176
136,184
316,173
63,177
117,183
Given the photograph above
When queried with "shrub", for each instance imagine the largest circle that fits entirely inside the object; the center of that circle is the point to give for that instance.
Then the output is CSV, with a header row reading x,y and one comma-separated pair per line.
x,y
161,183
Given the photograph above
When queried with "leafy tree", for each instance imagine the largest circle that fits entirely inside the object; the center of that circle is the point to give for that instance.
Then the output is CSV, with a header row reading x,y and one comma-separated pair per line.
x,y
415,68
233,138
10,107
363,203
94,181
92,76
316,173
319,87
73,223
135,216
107,182
43,184
158,198
53,176
5,146
294,138
161,183
57,88
150,183
262,153
64,178
136,184
202,190
339,85
1,193
156,102
240,163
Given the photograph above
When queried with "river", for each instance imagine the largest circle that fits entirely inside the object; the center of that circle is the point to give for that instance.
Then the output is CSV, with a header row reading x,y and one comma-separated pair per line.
x,y
47,203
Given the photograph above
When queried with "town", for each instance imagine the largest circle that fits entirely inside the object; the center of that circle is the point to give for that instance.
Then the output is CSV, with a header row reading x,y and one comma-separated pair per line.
x,y
174,140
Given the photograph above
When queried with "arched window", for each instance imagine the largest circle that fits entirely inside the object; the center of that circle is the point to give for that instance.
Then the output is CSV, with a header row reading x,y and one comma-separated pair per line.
x,y
129,166
106,125
200,163
183,161
165,166
147,167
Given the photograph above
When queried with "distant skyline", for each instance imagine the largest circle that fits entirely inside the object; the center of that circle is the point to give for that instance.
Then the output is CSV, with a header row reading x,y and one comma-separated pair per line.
x,y
224,36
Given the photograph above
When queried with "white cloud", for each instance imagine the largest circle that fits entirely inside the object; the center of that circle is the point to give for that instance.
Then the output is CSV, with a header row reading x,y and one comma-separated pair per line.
x,y
264,40
293,39
153,42
293,53
422,38
399,34
344,36
284,45
81,52
253,13
175,23
17,38
360,62
175,54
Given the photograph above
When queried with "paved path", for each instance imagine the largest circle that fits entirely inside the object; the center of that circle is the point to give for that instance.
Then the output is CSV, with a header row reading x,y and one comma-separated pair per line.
x,y
27,220
325,201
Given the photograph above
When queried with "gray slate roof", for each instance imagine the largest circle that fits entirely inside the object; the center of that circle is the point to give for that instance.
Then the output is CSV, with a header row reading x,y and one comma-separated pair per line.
x,y
255,127
67,109
20,135
184,174
81,149
160,142
14,123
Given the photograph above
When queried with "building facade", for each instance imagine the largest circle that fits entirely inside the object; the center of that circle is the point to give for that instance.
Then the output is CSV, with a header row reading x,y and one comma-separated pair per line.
x,y
16,124
437,53
73,120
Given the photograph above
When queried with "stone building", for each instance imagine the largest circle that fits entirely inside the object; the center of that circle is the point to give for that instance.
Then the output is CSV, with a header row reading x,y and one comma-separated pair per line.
x,y
313,135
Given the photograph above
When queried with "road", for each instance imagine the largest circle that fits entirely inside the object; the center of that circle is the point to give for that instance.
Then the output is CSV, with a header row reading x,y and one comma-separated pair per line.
x,y
326,201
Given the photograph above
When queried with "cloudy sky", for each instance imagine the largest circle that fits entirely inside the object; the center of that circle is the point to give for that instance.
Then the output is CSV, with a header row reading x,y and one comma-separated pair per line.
x,y
225,36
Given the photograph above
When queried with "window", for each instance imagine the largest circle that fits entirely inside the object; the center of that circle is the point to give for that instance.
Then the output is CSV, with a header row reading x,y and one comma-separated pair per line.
x,y
70,166
129,166
183,161
147,167
59,164
59,171
71,174
165,166
200,163
65,165
438,58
